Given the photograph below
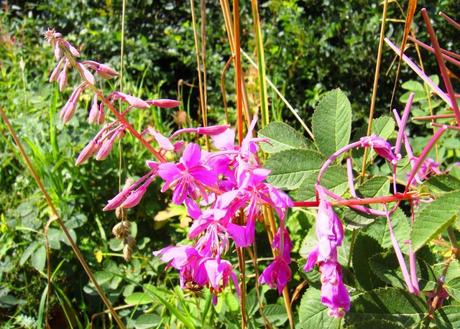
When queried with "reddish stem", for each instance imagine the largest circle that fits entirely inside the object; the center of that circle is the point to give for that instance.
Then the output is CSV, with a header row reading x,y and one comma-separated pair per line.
x,y
364,201
450,20
434,117
442,66
445,53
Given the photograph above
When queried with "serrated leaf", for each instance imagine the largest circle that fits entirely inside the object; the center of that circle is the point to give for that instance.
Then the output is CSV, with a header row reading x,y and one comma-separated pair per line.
x,y
313,314
365,247
139,298
386,267
380,232
275,314
335,179
453,288
442,183
435,218
376,324
331,122
448,317
290,168
383,126
281,137
391,304
376,186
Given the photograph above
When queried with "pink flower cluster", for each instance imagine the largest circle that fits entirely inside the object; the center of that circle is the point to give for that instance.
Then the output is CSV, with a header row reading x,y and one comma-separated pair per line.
x,y
224,192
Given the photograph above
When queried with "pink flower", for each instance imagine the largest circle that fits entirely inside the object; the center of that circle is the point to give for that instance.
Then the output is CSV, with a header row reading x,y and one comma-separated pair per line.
x,y
380,146
277,274
329,231
189,177
219,272
282,243
334,294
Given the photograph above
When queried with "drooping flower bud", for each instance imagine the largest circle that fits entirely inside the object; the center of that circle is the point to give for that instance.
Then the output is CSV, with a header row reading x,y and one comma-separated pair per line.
x,y
131,100
164,103
87,152
89,77
54,75
107,145
212,130
69,108
94,111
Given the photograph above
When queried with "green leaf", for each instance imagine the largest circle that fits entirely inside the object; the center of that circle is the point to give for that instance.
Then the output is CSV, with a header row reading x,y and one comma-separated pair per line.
x,y
281,137
376,186
435,218
290,168
38,258
365,248
331,122
139,298
391,304
313,314
453,288
442,183
413,85
380,232
147,321
335,179
448,317
28,252
275,314
383,126
386,267
376,324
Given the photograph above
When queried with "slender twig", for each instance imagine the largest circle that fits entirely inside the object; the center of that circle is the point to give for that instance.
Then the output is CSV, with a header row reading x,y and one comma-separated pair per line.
x,y
238,70
222,88
423,155
431,49
59,220
441,65
375,84
433,117
438,91
450,20
280,95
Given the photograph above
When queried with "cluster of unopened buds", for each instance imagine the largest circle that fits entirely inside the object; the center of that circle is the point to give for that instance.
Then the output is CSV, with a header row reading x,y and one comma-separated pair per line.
x,y
225,190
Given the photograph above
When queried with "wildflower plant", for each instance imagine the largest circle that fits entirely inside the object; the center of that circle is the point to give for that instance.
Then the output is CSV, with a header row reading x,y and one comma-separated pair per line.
x,y
227,189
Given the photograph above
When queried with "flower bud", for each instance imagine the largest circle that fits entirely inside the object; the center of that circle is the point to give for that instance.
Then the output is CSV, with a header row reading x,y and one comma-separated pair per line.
x,y
69,108
54,75
94,111
164,103
86,74
87,152
106,72
131,100
107,146
212,130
